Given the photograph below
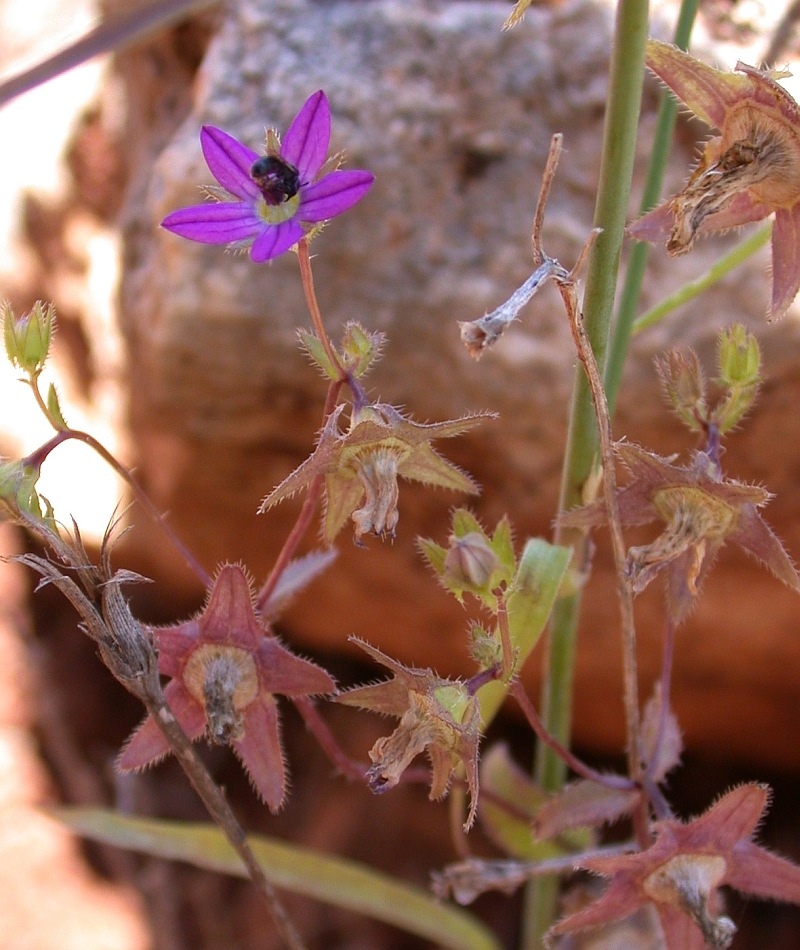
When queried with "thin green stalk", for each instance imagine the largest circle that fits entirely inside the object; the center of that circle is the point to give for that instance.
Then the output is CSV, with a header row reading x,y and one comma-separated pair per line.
x,y
616,170
634,273
715,273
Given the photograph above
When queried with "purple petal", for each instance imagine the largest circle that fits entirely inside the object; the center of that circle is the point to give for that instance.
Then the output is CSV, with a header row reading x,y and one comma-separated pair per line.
x,y
305,144
215,223
274,240
333,194
229,161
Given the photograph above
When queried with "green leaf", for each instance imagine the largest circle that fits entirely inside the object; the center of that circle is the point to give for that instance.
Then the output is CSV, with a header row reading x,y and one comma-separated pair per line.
x,y
333,880
503,544
504,780
54,409
533,593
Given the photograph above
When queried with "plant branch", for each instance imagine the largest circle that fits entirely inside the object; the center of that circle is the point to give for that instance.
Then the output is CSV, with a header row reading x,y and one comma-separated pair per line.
x,y
303,519
127,649
625,597
62,435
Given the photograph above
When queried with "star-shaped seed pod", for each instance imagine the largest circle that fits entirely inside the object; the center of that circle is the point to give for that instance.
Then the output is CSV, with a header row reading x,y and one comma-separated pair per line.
x,y
700,510
226,669
437,716
361,467
681,873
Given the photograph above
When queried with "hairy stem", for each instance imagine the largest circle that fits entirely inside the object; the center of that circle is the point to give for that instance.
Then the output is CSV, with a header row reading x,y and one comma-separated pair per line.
x,y
303,519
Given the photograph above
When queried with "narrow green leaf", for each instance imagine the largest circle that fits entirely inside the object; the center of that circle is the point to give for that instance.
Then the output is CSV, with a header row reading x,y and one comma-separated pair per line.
x,y
504,780
719,269
333,880
54,409
534,590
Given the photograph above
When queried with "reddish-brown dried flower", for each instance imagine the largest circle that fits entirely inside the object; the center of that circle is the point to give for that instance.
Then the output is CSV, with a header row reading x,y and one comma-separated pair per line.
x,y
747,172
437,716
226,669
681,873
700,511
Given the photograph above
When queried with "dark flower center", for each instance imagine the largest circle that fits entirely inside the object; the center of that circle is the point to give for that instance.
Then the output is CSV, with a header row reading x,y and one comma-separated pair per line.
x,y
277,180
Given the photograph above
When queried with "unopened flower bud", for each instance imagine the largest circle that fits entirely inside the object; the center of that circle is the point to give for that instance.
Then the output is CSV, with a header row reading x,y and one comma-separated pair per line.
x,y
739,363
484,648
470,560
27,338
739,357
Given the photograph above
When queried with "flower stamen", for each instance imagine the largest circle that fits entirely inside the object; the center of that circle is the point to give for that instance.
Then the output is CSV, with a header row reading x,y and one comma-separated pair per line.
x,y
377,470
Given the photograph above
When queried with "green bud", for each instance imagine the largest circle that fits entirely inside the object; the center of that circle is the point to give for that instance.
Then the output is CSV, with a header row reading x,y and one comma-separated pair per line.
x,y
739,357
27,338
485,648
360,349
470,561
740,365
456,700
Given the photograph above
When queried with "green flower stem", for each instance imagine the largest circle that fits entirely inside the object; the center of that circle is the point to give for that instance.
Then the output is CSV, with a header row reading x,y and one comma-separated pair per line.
x,y
715,273
616,170
634,272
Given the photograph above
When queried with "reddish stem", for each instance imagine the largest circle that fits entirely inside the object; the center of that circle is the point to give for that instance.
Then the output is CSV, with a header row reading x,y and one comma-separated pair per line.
x,y
303,519
313,307
38,456
355,771
580,768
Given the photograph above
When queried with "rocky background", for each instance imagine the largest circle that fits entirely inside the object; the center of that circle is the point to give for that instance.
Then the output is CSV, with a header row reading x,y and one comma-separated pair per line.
x,y
454,117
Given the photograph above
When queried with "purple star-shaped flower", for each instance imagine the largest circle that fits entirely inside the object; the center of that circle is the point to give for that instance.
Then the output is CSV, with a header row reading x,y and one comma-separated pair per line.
x,y
272,197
